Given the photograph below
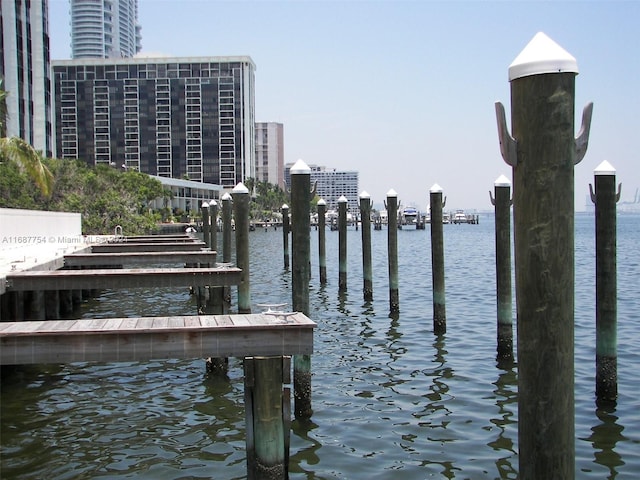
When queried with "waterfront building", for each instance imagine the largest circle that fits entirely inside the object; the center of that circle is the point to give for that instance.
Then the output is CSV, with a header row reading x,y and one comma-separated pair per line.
x,y
270,153
24,69
104,28
186,195
331,184
189,117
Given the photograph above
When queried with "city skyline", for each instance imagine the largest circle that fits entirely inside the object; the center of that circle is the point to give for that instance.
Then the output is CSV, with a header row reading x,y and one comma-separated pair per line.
x,y
404,92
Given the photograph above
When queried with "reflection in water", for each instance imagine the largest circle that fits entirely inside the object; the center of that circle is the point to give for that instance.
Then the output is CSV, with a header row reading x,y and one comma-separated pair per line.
x,y
506,397
604,438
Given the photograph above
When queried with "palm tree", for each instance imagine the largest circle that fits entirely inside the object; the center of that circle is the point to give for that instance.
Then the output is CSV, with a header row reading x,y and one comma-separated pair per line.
x,y
21,153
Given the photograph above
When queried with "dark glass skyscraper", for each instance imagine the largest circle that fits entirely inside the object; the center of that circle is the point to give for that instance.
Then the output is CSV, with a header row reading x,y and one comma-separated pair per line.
x,y
173,117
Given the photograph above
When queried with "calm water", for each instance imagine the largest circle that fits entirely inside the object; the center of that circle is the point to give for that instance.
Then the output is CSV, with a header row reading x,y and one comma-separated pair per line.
x,y
391,400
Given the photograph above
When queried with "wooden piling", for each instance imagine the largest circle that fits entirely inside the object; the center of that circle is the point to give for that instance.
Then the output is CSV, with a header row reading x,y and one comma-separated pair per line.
x,y
213,225
226,228
241,201
392,249
342,243
502,203
543,152
322,248
367,270
300,274
285,234
437,260
205,224
605,199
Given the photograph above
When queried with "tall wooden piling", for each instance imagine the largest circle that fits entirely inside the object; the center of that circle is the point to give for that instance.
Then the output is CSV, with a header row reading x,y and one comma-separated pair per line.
x,y
285,233
322,248
502,203
543,152
605,199
300,274
226,228
392,249
342,243
205,224
437,260
241,199
213,225
367,270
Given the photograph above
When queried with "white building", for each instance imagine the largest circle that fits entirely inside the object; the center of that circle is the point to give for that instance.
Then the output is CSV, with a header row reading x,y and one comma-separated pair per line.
x,y
24,67
270,153
104,29
331,184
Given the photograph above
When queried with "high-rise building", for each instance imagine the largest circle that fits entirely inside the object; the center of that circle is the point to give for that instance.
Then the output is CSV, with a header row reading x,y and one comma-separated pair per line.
x,y
331,184
104,29
172,117
24,69
270,153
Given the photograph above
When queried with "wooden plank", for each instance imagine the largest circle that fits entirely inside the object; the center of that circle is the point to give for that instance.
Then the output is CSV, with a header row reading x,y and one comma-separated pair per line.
x,y
146,338
122,278
125,258
147,247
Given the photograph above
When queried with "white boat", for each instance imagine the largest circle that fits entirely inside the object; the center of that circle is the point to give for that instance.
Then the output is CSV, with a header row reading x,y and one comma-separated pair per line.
x,y
460,217
409,216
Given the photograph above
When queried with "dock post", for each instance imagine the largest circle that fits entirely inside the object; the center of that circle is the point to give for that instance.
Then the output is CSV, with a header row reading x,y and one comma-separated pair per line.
x,y
226,228
342,243
205,224
267,425
300,274
285,233
543,153
605,199
367,270
322,247
213,225
437,260
392,247
502,202
241,201
52,304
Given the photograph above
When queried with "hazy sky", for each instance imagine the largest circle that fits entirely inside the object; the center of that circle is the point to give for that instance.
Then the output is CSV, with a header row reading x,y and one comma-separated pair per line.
x,y
404,91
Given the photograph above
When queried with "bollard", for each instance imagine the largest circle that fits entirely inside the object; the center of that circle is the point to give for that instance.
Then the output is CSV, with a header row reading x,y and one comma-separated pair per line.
x,y
241,200
322,250
605,199
285,233
502,203
392,248
300,270
437,260
226,228
342,243
367,270
543,152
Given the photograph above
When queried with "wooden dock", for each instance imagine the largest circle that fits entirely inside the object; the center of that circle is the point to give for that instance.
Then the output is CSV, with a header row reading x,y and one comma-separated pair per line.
x,y
125,258
153,338
166,246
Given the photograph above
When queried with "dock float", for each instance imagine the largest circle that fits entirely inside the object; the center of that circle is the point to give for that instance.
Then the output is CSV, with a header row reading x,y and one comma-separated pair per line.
x,y
155,338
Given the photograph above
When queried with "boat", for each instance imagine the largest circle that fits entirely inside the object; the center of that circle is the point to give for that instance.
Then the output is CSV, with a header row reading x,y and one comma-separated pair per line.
x,y
460,217
409,216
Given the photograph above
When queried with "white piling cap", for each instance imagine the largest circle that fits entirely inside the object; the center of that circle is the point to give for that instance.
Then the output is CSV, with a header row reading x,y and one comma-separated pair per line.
x,y
213,203
240,188
542,55
502,181
226,196
300,168
605,168
365,194
322,202
285,206
342,199
205,205
436,188
392,193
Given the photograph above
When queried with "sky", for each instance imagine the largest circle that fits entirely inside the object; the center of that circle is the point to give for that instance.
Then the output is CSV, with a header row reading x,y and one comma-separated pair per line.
x,y
404,91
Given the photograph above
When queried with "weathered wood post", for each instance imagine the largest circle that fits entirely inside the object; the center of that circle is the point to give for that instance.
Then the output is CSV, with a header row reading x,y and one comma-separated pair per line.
x,y
241,200
205,224
322,248
502,203
437,260
342,243
605,199
367,270
392,249
213,225
300,274
543,153
285,233
226,228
